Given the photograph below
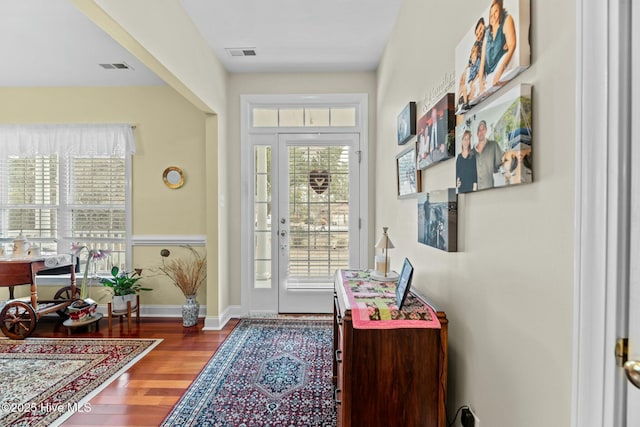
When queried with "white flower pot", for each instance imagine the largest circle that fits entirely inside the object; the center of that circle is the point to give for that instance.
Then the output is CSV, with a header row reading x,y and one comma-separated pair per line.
x,y
120,302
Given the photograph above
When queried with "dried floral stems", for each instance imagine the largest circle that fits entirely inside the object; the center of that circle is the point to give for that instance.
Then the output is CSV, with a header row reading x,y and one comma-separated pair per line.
x,y
188,274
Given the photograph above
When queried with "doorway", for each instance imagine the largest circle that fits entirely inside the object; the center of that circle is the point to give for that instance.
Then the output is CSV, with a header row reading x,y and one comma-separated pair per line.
x,y
306,204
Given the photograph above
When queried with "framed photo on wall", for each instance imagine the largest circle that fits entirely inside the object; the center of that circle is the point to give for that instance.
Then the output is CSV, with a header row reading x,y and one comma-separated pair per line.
x,y
407,123
494,143
438,219
494,50
436,129
408,176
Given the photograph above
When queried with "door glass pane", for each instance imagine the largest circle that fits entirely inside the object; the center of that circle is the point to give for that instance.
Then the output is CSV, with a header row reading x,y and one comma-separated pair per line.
x,y
262,218
291,117
343,116
265,117
319,211
316,117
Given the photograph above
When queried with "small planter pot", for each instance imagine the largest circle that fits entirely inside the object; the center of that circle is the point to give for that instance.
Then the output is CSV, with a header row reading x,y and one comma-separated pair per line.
x,y
119,302
80,310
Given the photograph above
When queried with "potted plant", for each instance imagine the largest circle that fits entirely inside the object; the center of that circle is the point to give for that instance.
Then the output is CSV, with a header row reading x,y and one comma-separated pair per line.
x,y
187,274
124,286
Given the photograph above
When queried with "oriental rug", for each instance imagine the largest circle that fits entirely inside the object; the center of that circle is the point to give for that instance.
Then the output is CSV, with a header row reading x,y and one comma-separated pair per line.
x,y
43,381
268,372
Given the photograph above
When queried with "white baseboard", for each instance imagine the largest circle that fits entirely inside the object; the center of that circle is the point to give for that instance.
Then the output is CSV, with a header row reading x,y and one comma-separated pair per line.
x,y
216,323
149,310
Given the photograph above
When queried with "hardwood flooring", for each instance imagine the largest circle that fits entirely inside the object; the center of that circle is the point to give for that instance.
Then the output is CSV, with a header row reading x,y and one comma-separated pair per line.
x,y
146,393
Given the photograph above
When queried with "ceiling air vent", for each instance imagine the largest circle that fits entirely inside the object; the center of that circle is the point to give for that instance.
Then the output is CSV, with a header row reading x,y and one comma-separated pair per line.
x,y
241,51
116,66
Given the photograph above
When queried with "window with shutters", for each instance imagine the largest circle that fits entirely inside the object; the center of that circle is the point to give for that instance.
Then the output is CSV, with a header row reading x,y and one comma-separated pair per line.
x,y
58,199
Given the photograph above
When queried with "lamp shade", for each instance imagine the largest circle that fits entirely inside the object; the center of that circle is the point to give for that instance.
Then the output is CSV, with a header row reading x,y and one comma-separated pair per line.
x,y
384,242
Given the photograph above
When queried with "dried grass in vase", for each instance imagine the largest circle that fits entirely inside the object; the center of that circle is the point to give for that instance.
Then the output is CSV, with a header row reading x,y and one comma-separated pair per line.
x,y
188,274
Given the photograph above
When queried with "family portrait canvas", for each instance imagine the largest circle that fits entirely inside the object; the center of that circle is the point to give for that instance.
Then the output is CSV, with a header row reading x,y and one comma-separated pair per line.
x,y
494,144
494,51
407,123
438,219
436,128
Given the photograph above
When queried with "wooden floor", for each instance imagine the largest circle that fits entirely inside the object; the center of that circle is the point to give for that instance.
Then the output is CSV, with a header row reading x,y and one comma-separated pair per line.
x,y
144,395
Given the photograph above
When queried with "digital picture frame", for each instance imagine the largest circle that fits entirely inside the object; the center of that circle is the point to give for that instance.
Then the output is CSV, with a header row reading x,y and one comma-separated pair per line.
x,y
404,283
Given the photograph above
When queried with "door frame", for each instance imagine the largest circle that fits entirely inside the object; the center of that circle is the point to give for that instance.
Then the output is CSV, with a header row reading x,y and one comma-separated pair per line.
x,y
250,296
601,197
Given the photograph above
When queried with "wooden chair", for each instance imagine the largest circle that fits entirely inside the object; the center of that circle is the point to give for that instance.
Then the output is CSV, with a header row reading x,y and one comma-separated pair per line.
x,y
128,313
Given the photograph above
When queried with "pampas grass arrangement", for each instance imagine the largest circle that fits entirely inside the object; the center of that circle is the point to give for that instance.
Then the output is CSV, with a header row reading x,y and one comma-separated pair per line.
x,y
188,274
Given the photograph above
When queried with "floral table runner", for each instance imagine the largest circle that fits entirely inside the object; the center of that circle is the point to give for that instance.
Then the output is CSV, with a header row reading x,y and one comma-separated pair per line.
x,y
373,304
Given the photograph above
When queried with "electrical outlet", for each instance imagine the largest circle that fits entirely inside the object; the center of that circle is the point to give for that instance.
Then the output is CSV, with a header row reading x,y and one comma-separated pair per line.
x,y
466,418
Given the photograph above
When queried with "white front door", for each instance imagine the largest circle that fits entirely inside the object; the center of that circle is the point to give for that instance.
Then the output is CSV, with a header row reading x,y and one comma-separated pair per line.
x,y
317,217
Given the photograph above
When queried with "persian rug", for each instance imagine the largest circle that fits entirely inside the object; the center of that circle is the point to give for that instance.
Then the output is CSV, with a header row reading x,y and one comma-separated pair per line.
x,y
43,381
268,372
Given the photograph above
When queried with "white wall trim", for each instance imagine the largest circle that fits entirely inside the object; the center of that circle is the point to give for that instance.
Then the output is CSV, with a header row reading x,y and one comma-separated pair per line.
x,y
169,239
216,323
154,310
598,388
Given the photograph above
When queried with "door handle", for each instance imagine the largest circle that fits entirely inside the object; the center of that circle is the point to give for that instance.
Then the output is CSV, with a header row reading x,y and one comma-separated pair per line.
x,y
632,370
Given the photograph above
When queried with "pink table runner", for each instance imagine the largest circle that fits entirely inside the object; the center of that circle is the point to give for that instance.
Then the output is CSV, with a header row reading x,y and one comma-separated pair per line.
x,y
373,305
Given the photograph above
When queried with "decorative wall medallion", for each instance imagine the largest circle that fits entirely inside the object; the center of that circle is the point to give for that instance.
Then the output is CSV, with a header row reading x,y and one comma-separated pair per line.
x,y
319,180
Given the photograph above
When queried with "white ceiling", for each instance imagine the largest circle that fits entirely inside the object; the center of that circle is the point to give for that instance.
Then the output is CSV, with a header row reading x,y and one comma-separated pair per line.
x,y
296,35
51,43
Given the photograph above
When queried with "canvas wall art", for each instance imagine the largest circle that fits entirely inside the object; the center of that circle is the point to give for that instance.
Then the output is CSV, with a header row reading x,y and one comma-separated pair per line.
x,y
408,177
438,219
494,51
494,144
407,123
436,129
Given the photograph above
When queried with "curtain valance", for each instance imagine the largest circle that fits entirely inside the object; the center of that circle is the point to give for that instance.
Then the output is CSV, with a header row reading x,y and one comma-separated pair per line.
x,y
68,139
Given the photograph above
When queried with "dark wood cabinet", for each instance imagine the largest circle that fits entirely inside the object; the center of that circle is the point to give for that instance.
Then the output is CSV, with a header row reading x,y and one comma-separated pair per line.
x,y
388,377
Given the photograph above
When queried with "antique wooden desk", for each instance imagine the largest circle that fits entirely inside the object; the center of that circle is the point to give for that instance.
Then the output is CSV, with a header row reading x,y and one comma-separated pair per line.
x,y
390,367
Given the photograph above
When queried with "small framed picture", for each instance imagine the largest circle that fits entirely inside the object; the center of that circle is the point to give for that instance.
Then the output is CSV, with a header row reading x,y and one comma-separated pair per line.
x,y
407,123
404,283
408,176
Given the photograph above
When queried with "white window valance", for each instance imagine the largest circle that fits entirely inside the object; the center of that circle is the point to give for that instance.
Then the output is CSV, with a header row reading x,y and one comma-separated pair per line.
x,y
69,139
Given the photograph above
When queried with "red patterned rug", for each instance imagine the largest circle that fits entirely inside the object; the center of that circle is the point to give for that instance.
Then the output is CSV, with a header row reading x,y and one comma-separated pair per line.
x,y
266,373
43,381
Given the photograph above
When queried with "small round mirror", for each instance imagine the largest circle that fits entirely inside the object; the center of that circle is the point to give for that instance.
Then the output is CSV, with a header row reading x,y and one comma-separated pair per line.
x,y
173,177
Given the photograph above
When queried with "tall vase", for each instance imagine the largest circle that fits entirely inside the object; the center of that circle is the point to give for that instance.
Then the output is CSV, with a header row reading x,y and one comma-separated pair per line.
x,y
190,310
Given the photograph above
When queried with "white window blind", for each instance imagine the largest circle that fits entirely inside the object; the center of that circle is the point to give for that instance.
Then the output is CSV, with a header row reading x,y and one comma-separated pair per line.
x,y
67,184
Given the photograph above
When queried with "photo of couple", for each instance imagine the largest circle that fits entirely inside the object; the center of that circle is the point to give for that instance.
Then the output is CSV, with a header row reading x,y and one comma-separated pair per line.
x,y
493,145
493,52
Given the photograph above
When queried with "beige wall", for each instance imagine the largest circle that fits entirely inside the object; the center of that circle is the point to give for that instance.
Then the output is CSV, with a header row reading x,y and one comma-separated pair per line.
x,y
170,131
281,83
508,291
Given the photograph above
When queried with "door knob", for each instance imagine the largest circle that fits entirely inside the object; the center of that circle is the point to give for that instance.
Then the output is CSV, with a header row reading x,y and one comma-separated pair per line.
x,y
632,369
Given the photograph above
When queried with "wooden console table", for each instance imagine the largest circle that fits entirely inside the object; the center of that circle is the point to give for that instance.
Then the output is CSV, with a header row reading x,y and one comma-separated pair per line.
x,y
386,375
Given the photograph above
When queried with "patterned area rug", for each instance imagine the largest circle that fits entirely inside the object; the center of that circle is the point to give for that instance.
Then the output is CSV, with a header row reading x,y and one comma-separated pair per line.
x,y
43,381
268,372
